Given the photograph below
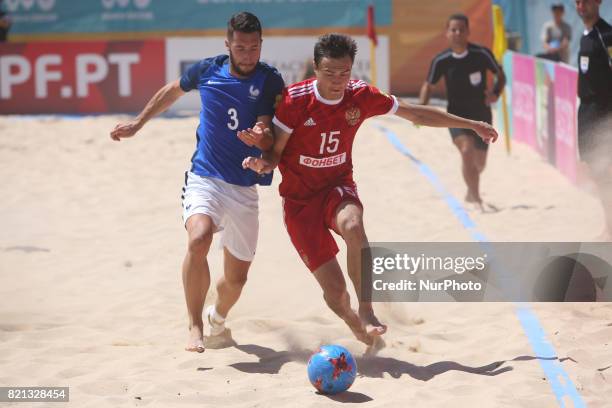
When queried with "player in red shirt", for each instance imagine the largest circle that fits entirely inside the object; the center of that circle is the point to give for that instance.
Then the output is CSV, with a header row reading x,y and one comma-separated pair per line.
x,y
315,125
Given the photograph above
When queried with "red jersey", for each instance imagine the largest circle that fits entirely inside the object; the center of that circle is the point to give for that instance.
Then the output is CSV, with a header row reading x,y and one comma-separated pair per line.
x,y
318,155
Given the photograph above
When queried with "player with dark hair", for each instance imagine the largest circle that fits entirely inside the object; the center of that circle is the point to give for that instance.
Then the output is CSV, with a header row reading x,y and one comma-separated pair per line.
x,y
219,195
314,127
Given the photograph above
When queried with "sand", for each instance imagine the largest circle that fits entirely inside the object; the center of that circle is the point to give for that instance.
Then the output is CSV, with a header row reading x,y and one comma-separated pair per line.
x,y
91,243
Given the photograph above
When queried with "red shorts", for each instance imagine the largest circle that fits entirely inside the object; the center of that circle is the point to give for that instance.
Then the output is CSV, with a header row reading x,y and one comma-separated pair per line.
x,y
309,223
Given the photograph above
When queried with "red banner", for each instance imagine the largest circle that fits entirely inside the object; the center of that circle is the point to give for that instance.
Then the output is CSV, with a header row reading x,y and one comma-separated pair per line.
x,y
80,77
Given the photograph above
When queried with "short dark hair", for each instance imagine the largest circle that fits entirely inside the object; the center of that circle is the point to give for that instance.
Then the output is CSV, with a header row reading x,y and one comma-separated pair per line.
x,y
460,17
334,46
244,22
557,6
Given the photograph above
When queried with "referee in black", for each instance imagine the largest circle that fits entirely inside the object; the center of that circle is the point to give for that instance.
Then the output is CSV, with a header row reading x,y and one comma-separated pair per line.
x,y
464,67
595,112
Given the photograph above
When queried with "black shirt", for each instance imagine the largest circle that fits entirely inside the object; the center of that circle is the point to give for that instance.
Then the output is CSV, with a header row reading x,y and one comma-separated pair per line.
x,y
594,70
465,76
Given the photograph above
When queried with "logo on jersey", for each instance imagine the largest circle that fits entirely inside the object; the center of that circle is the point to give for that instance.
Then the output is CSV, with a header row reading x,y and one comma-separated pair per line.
x,y
253,93
475,78
352,115
331,161
584,64
310,122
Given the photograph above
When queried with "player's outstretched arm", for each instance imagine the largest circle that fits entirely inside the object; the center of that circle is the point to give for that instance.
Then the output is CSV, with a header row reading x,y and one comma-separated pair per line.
x,y
162,100
429,116
270,158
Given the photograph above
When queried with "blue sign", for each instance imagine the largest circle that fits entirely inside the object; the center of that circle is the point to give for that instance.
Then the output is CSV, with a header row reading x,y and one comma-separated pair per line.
x,y
98,16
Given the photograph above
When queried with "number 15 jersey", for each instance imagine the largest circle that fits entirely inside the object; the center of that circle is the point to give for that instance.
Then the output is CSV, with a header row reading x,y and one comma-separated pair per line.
x,y
318,155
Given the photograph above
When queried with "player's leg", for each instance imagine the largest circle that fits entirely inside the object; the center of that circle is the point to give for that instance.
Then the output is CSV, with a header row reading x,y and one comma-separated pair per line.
x,y
239,240
348,223
229,286
314,242
330,277
196,275
470,170
202,216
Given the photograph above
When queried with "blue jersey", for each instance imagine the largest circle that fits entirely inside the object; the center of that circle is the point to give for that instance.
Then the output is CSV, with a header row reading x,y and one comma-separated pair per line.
x,y
229,104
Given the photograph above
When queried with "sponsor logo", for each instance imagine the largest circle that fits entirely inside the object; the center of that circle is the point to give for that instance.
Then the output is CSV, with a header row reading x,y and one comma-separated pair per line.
x,y
31,11
310,122
331,161
27,5
126,10
88,69
139,4
352,115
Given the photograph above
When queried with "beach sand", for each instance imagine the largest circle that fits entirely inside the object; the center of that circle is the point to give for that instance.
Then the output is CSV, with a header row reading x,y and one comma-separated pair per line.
x,y
91,244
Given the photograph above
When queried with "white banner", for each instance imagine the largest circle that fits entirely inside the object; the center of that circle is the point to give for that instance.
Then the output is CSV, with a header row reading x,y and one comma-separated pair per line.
x,y
290,55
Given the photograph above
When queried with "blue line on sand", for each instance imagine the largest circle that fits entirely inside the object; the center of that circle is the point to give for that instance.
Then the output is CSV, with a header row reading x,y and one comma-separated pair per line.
x,y
558,379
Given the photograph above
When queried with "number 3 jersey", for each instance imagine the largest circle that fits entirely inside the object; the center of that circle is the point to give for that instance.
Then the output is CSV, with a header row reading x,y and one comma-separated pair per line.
x,y
229,104
318,154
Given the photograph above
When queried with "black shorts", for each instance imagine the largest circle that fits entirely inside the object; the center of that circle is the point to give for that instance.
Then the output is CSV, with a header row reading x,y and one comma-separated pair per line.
x,y
595,131
483,115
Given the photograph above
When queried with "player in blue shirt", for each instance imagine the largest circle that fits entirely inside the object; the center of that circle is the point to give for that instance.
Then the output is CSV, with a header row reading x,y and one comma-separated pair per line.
x,y
237,91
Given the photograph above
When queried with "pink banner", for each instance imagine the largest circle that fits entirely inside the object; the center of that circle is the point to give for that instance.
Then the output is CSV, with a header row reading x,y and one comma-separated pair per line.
x,y
524,100
566,129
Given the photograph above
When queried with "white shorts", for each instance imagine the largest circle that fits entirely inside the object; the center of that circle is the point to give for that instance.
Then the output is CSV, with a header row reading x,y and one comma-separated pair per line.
x,y
234,211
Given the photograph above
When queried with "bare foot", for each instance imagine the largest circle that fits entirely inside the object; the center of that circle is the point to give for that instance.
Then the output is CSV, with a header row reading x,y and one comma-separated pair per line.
x,y
196,339
371,323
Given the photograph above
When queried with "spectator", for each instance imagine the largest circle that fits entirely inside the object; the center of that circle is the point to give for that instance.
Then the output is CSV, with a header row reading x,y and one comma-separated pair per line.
x,y
556,35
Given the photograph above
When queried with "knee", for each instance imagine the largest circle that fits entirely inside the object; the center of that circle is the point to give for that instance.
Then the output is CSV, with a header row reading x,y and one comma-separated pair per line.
x,y
467,155
199,241
237,281
480,166
352,229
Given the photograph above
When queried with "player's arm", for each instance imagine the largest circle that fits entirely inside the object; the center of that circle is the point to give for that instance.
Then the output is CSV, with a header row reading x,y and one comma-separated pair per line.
x,y
491,96
436,71
161,101
270,158
429,116
425,93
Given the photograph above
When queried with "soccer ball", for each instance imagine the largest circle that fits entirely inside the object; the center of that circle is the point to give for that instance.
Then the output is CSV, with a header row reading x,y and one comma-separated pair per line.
x,y
332,369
